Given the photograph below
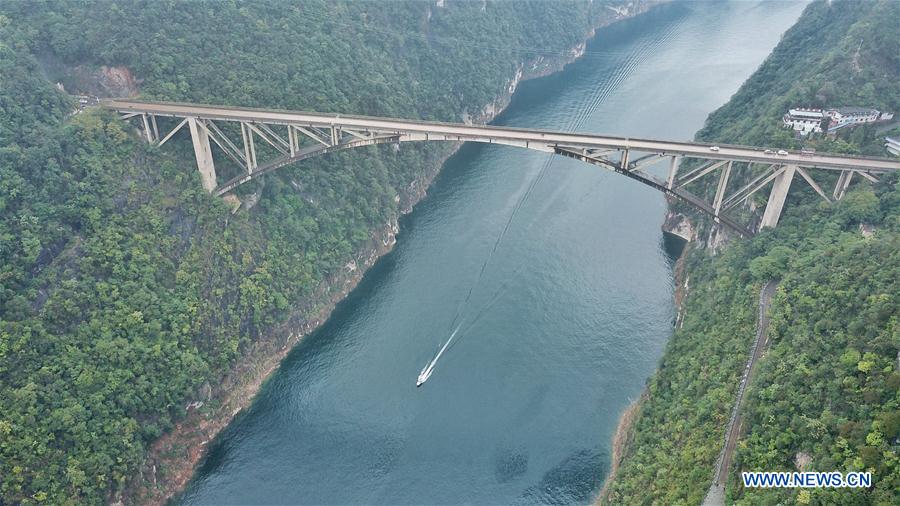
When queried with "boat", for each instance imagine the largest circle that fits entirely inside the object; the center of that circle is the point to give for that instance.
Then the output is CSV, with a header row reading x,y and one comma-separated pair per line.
x,y
424,375
426,372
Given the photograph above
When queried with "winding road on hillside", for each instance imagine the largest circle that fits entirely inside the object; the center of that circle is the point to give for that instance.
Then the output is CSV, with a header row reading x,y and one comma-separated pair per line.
x,y
716,494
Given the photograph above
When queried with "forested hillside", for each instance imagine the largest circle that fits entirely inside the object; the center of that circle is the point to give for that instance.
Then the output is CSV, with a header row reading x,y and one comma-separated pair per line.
x,y
825,396
124,288
842,54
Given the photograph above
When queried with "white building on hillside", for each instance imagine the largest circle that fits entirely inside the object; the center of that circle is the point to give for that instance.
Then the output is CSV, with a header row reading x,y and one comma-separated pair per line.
x,y
852,116
804,120
892,145
807,121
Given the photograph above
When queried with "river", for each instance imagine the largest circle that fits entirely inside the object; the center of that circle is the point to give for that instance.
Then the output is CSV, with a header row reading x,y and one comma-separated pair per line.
x,y
577,300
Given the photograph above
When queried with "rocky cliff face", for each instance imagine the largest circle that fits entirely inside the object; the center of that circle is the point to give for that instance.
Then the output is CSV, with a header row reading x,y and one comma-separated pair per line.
x,y
99,81
712,238
679,224
541,66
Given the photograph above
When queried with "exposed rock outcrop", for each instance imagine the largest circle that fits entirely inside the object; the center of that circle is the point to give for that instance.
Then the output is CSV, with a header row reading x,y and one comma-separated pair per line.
x,y
680,225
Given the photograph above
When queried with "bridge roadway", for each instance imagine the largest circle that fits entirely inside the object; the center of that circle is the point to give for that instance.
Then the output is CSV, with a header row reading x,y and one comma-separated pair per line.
x,y
525,137
325,133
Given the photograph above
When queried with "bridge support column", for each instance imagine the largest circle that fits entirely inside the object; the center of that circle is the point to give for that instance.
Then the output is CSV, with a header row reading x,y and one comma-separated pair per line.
x,y
720,190
777,197
843,183
150,129
673,171
203,154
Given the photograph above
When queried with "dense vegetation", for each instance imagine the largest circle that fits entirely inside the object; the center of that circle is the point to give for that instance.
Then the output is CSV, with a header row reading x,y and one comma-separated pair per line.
x,y
842,54
825,396
123,286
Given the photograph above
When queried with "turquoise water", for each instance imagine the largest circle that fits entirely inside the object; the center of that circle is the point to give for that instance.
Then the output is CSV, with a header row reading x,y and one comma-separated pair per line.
x,y
568,322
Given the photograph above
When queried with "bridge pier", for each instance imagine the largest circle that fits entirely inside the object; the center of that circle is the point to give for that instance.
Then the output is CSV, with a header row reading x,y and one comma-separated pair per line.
x,y
777,197
673,171
720,190
843,183
203,154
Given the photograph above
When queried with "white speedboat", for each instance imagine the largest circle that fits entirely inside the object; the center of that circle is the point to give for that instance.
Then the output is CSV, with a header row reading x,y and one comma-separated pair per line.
x,y
426,372
424,375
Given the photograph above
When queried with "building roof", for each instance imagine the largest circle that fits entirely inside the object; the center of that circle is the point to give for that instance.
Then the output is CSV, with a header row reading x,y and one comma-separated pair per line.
x,y
806,113
856,110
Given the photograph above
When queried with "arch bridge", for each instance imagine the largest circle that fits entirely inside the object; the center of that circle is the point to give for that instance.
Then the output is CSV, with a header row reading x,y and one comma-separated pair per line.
x,y
291,136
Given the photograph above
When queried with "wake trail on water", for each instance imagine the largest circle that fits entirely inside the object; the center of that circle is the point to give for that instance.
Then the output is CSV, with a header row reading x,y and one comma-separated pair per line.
x,y
488,305
458,317
448,346
430,367
589,106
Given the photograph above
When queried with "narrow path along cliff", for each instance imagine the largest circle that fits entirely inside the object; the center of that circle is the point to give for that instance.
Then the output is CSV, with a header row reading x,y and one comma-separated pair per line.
x,y
716,494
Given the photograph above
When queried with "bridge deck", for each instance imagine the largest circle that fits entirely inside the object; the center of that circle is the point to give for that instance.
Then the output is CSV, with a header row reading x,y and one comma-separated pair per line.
x,y
488,133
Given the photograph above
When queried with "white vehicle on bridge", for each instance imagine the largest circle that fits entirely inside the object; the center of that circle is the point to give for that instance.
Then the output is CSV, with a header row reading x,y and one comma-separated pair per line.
x,y
782,152
714,148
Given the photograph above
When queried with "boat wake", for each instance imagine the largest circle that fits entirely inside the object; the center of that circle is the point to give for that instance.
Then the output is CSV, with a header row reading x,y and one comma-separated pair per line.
x,y
429,368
